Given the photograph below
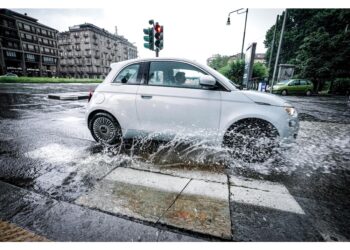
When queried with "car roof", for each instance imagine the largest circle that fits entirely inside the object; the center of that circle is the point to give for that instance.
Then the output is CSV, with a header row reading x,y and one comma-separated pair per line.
x,y
116,64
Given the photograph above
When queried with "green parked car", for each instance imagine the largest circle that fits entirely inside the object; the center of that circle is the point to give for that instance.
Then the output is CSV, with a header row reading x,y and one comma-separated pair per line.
x,y
293,86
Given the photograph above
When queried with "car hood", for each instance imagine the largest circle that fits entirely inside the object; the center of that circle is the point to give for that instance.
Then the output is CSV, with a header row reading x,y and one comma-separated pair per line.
x,y
265,98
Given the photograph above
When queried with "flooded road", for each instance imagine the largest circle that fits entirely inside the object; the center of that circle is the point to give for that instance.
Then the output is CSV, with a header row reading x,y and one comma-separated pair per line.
x,y
168,191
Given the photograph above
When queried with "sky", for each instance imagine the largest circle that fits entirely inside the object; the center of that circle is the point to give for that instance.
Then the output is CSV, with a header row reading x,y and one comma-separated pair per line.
x,y
193,29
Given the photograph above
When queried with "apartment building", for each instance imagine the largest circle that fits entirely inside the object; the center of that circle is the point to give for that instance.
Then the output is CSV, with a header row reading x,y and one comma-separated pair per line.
x,y
27,47
86,51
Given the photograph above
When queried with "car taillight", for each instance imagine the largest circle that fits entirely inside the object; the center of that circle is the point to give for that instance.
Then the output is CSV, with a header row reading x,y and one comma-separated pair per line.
x,y
90,95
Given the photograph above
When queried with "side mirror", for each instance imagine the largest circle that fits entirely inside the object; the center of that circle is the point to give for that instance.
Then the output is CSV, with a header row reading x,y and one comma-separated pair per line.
x,y
207,80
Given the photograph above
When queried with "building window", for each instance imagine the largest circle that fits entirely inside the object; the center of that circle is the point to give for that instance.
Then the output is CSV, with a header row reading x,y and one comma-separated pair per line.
x,y
10,53
47,59
29,37
30,57
26,27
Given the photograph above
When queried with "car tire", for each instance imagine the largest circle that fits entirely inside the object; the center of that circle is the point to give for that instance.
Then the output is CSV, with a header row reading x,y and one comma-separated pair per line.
x,y
105,129
284,92
251,140
308,92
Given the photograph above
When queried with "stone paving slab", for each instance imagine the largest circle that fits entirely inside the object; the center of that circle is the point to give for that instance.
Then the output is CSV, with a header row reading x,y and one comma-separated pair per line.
x,y
202,207
206,173
12,233
134,193
69,222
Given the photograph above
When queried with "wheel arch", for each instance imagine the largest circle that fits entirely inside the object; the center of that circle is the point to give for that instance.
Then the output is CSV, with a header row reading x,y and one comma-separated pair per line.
x,y
91,115
249,119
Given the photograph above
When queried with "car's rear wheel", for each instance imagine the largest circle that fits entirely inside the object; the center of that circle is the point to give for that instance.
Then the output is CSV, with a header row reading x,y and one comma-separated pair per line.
x,y
308,92
284,92
105,129
252,140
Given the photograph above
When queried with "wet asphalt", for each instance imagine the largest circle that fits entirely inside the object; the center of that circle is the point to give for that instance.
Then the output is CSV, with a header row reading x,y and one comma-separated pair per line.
x,y
48,160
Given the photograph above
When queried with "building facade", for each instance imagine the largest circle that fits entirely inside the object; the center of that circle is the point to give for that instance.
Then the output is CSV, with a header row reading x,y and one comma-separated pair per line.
x,y
86,51
27,47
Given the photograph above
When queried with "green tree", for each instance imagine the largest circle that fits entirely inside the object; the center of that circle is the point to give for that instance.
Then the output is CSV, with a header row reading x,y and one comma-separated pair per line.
x,y
235,70
316,41
219,61
259,70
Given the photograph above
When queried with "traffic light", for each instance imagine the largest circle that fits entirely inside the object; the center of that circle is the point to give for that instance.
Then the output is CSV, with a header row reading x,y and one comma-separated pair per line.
x,y
148,38
158,36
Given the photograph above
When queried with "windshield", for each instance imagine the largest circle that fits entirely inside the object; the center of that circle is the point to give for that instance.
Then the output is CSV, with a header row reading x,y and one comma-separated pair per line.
x,y
283,82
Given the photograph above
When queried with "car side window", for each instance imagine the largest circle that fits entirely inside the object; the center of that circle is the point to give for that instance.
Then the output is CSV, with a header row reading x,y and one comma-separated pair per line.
x,y
174,74
303,82
129,75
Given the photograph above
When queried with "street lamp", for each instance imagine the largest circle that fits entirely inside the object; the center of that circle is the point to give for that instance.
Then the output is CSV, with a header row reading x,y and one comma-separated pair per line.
x,y
240,11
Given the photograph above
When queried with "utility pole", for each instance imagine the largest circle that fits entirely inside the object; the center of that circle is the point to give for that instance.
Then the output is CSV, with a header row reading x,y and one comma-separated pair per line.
x,y
273,44
239,11
245,25
278,50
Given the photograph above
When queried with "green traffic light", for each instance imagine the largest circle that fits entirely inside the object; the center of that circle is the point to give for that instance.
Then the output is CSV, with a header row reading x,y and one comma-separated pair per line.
x,y
146,31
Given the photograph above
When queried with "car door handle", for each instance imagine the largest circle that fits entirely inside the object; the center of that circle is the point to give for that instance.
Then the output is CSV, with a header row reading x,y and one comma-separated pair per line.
x,y
146,96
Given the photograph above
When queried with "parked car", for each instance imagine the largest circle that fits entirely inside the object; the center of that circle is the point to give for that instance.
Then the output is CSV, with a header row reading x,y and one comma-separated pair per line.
x,y
10,75
164,97
293,86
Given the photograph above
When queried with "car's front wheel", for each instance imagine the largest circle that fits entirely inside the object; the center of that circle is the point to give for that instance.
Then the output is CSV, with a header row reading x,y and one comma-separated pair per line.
x,y
284,92
105,129
252,140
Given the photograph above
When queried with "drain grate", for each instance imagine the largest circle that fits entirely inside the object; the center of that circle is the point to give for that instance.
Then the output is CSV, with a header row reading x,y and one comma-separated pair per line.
x,y
10,232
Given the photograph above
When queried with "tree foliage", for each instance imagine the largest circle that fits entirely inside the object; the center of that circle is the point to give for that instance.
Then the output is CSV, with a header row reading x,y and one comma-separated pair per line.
x,y
234,71
317,41
219,61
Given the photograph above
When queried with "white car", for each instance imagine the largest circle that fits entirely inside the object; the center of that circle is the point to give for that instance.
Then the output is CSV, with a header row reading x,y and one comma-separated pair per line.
x,y
166,97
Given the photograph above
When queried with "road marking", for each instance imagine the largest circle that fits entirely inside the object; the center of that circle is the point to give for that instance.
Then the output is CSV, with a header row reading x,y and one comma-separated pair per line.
x,y
264,194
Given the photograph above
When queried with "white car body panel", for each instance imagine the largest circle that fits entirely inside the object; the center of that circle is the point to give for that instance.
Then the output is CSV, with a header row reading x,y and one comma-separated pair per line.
x,y
194,112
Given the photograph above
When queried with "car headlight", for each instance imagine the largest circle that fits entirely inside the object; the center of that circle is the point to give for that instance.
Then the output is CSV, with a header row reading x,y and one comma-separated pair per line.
x,y
291,111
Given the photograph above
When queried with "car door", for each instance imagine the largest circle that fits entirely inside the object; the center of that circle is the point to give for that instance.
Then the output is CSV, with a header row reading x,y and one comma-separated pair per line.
x,y
293,87
172,102
303,86
121,96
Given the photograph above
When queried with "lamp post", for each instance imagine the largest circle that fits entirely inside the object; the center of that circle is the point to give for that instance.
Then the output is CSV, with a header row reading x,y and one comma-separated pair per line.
x,y
240,11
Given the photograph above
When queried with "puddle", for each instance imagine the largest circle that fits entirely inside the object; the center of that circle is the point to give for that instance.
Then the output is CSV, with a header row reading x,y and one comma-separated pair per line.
x,y
56,153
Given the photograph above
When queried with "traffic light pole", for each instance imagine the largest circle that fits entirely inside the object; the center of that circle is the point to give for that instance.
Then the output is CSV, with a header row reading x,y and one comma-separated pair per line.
x,y
157,52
